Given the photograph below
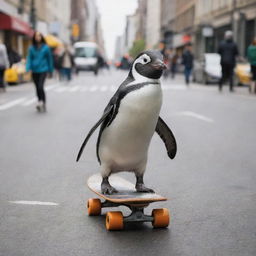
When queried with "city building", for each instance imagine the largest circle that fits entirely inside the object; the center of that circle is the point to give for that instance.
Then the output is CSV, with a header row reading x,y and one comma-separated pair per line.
x,y
213,18
168,12
153,23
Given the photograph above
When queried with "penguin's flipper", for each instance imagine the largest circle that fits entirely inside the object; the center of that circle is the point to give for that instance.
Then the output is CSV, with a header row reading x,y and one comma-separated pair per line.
x,y
167,137
107,111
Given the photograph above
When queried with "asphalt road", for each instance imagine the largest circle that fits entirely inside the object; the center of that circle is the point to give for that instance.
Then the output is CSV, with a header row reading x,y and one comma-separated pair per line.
x,y
210,184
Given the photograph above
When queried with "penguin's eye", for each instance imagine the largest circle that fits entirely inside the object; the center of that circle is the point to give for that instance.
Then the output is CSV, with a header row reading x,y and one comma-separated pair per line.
x,y
145,60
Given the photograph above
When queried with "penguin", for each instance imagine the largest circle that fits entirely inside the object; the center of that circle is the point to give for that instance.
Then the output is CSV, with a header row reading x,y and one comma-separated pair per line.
x,y
129,122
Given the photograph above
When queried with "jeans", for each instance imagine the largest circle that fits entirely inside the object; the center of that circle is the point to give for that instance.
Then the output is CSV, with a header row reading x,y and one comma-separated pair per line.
x,y
39,79
66,72
187,73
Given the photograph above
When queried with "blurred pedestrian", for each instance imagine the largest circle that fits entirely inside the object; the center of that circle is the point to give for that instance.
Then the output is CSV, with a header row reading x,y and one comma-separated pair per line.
x,y
13,56
56,62
228,52
173,63
188,61
40,62
251,54
66,63
166,56
4,64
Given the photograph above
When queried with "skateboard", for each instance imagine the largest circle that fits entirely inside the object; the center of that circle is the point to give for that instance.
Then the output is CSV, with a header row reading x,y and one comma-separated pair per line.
x,y
126,196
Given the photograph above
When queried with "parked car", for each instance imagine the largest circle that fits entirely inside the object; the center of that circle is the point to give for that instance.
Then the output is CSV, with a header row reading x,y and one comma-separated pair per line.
x,y
17,73
242,74
208,69
86,56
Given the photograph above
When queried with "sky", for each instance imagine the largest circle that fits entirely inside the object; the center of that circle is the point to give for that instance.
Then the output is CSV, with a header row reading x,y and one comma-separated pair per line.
x,y
113,18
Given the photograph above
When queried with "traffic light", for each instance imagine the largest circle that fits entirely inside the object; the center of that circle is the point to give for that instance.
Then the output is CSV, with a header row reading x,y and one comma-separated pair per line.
x,y
75,30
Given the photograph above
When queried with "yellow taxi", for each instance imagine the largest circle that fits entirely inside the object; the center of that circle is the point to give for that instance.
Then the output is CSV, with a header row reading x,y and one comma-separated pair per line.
x,y
17,73
243,74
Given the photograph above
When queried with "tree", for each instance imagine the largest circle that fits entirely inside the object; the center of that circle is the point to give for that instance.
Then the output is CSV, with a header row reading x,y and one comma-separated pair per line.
x,y
138,46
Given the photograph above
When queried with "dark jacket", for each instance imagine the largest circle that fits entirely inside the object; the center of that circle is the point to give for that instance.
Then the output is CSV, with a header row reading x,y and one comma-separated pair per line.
x,y
228,52
13,56
187,59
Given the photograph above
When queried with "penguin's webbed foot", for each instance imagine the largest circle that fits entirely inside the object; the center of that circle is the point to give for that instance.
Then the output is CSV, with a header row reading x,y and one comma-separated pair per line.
x,y
106,188
140,187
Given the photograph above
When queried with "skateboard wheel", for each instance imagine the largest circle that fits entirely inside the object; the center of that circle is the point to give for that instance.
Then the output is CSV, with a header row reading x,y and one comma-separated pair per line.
x,y
161,218
94,206
114,221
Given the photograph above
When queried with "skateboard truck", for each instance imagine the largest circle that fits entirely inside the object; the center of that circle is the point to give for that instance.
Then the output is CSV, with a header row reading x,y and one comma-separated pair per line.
x,y
115,220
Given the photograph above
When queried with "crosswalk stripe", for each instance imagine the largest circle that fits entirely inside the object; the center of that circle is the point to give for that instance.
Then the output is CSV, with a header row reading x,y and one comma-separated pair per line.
x,y
103,88
29,102
51,87
12,103
74,89
60,89
84,89
93,88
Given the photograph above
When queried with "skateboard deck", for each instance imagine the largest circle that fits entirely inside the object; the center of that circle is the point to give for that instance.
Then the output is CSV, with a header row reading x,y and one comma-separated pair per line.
x,y
126,196
126,191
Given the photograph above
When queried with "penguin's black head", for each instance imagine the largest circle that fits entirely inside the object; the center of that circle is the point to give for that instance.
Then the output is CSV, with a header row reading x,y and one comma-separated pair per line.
x,y
149,64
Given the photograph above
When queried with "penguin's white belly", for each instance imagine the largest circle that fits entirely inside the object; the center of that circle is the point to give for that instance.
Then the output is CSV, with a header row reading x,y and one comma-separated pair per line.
x,y
124,144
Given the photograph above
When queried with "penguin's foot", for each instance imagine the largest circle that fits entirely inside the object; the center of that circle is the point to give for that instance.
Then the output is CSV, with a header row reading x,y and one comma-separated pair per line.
x,y
140,187
106,188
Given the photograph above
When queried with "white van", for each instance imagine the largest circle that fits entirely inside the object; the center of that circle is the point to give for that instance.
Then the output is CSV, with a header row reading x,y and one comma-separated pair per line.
x,y
86,56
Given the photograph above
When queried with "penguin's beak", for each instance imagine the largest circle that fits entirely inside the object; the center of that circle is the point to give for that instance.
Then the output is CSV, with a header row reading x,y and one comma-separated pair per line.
x,y
159,65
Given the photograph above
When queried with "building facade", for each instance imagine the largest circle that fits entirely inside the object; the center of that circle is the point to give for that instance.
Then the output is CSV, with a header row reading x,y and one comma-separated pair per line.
x,y
153,23
213,18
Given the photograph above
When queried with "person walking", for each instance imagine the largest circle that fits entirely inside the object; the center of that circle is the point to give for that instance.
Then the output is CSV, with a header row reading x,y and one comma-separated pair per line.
x,y
251,54
40,62
66,63
4,64
228,52
187,61
173,63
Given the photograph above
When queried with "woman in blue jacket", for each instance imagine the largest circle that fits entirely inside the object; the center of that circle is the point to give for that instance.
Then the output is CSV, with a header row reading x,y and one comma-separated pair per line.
x,y
40,62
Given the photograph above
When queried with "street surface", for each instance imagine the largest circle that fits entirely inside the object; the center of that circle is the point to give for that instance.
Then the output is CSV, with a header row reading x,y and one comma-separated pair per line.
x,y
210,184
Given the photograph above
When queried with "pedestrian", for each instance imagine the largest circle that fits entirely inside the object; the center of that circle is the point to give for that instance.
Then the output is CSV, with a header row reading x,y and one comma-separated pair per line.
x,y
4,64
187,61
56,63
66,63
173,63
251,54
228,52
13,56
40,62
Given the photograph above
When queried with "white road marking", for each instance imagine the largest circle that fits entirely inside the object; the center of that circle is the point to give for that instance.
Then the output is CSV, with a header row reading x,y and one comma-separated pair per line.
x,y
51,87
29,102
12,103
103,88
93,88
84,89
61,89
74,89
195,115
33,203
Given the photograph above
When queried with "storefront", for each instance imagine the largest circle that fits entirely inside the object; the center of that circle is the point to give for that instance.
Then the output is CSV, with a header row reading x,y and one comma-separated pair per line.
x,y
15,33
180,40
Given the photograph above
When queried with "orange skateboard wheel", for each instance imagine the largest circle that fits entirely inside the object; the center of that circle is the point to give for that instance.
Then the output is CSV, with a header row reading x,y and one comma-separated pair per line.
x,y
94,207
114,221
161,218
